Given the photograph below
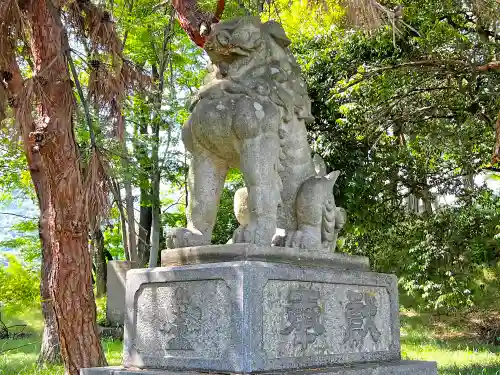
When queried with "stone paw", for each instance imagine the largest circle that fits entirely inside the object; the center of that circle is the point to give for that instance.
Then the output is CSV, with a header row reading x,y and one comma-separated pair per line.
x,y
303,239
182,237
260,232
239,234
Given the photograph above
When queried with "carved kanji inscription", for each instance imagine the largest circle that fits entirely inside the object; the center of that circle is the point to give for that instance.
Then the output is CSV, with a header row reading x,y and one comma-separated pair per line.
x,y
303,315
360,312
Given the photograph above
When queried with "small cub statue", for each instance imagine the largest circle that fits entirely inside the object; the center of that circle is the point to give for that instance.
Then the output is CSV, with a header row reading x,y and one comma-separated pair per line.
x,y
251,114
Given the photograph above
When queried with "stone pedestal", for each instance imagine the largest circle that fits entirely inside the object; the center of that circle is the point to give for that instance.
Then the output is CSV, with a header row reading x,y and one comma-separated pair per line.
x,y
382,368
116,279
245,315
249,316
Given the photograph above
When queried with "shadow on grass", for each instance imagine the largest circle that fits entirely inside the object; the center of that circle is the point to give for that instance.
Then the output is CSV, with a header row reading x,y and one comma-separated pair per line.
x,y
450,344
445,332
430,323
471,370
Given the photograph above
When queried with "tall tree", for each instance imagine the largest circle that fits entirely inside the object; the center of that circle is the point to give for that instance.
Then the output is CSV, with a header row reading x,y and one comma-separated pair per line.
x,y
53,160
155,40
71,193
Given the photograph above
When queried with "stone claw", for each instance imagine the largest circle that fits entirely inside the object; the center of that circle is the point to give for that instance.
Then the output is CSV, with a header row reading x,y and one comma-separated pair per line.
x,y
182,237
260,232
244,234
303,239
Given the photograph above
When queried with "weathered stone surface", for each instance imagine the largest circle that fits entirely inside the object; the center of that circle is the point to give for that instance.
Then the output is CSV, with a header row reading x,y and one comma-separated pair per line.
x,y
251,114
254,316
173,318
339,337
115,303
239,252
384,368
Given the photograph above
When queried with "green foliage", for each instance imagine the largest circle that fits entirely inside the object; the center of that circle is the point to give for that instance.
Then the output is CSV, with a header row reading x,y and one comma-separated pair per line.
x,y
101,311
174,214
440,259
112,233
226,221
26,241
15,176
410,118
19,284
113,241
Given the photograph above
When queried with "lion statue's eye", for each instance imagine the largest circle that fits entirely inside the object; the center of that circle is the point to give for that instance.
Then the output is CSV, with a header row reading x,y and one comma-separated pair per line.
x,y
223,38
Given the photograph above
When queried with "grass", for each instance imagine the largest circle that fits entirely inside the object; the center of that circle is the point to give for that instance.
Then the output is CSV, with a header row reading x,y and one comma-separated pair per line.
x,y
444,340
423,337
18,357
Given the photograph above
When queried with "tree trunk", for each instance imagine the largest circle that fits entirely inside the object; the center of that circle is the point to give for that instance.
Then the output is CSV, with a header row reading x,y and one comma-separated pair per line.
x,y
496,152
427,199
129,204
50,350
100,263
64,220
129,200
123,219
156,225
158,75
146,212
145,223
155,197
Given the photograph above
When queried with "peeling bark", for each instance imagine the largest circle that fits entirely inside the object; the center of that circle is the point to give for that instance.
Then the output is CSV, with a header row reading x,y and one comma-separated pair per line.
x,y
64,221
50,350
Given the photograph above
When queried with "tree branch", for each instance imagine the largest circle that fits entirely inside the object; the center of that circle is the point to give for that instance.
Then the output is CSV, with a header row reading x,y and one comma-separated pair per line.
x,y
86,110
494,65
18,215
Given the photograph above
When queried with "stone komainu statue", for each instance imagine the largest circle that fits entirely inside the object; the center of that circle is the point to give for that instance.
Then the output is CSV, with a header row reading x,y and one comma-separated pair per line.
x,y
251,114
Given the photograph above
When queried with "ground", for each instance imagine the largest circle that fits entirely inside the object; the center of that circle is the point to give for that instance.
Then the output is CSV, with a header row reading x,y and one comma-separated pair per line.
x,y
423,336
18,357
444,339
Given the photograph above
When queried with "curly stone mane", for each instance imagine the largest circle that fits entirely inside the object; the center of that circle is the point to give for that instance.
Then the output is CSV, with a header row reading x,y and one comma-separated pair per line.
x,y
253,58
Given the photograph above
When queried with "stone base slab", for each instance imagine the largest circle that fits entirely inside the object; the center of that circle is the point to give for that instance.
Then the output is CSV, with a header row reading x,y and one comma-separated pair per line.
x,y
384,368
245,317
272,254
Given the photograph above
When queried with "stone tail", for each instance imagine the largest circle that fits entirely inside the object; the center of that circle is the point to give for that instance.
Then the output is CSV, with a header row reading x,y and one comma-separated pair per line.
x,y
328,230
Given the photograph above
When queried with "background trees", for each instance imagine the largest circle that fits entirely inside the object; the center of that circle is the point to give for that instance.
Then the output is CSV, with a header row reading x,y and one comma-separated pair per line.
x,y
409,117
406,100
